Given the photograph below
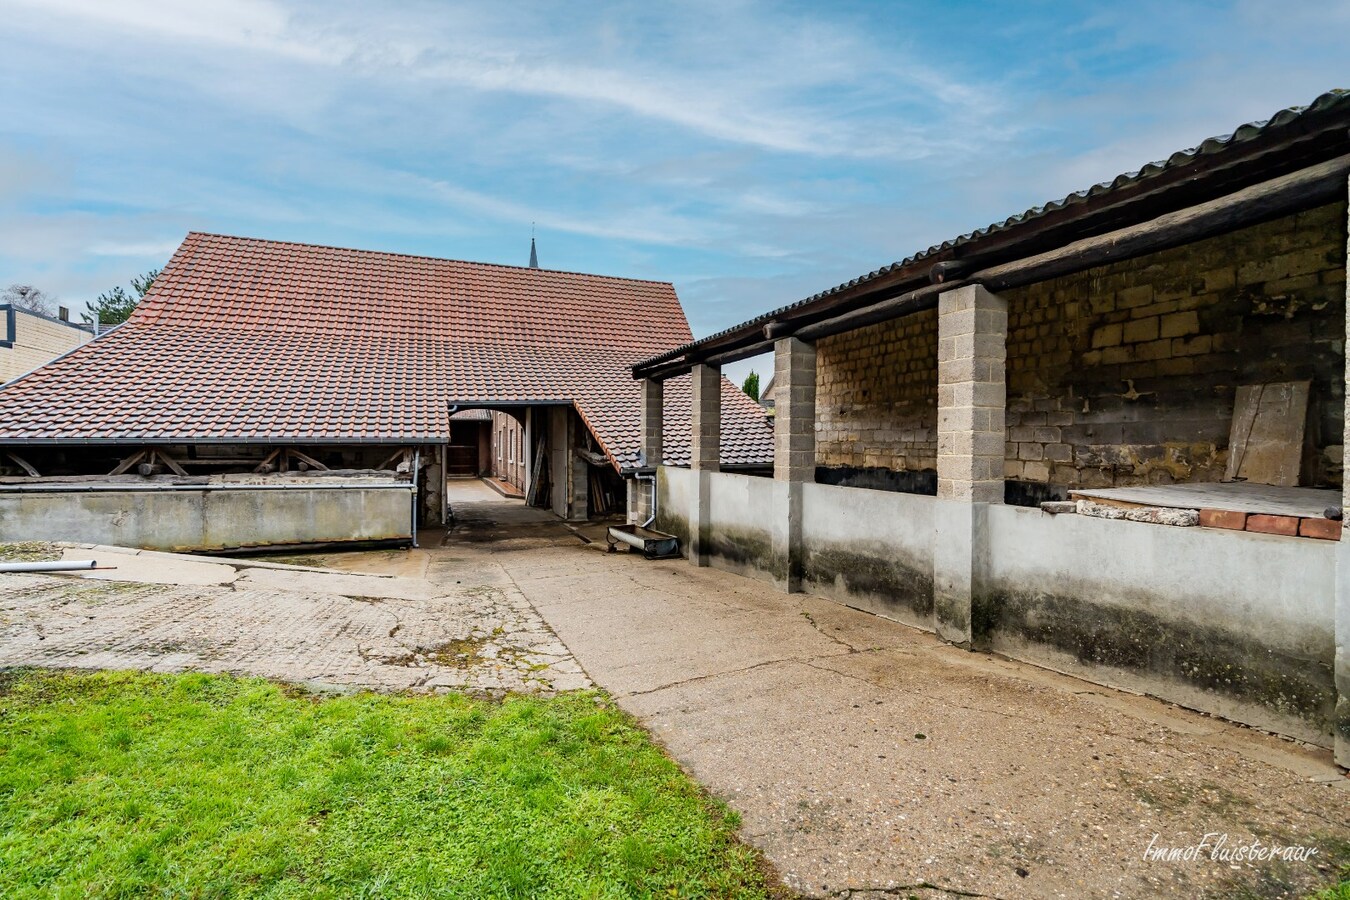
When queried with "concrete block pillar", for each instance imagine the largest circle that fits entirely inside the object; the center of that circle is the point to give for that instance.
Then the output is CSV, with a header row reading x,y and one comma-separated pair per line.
x,y
972,399
705,456
653,420
641,492
706,442
794,424
1341,717
794,454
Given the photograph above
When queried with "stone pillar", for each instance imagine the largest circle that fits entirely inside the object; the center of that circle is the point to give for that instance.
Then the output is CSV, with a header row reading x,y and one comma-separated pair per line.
x,y
705,456
972,396
706,442
653,421
641,492
794,453
1341,717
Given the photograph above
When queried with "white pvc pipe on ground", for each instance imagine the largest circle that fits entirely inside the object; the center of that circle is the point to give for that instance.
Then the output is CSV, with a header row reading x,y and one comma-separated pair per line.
x,y
60,565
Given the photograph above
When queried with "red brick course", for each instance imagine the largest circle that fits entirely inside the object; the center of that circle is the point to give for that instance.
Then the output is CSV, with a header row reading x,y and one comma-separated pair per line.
x,y
1273,524
1325,529
1223,518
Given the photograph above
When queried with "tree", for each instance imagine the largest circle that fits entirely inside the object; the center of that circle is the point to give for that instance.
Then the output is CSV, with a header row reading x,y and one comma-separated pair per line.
x,y
25,296
751,385
115,306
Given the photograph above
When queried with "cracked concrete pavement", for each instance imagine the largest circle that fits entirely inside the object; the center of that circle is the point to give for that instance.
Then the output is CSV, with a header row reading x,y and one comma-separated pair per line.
x,y
434,623
867,759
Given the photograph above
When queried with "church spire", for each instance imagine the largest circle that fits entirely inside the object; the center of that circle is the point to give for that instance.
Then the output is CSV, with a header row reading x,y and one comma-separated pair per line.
x,y
534,256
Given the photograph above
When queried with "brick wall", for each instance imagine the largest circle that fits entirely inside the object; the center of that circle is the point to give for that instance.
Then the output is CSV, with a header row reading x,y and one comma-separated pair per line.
x,y
876,396
37,341
1123,374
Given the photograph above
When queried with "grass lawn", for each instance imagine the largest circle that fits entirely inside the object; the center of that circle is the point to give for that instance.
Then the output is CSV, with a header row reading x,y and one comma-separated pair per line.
x,y
117,784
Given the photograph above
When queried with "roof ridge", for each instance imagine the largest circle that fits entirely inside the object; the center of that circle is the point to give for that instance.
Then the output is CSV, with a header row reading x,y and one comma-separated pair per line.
x,y
469,262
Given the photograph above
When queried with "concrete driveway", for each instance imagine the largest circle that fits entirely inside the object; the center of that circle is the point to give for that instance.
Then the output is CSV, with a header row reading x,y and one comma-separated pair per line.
x,y
866,758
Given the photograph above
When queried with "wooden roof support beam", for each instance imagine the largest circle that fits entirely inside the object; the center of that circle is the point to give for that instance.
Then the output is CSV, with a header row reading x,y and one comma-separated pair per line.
x,y
24,464
169,463
307,460
127,463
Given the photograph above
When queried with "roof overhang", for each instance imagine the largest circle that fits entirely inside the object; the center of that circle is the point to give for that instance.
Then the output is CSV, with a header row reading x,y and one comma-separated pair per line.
x,y
1292,142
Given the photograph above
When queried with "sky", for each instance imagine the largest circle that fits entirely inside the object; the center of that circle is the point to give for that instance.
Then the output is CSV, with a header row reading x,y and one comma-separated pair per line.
x,y
750,153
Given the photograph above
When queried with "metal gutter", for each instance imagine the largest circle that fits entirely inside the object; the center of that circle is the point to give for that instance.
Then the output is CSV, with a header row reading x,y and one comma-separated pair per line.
x,y
107,488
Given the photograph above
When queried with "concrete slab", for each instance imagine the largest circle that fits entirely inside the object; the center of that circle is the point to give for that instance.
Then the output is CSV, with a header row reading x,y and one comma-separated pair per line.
x,y
159,568
868,759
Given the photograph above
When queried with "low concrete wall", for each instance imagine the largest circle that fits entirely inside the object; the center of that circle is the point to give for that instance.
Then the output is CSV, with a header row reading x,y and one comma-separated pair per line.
x,y
872,550
742,509
218,519
675,489
1233,623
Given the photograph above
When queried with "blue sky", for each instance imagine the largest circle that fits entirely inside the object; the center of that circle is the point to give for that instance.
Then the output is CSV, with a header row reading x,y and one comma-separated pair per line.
x,y
751,153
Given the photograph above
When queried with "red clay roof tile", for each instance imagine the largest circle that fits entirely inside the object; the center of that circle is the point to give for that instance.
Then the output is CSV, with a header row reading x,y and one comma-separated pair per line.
x,y
246,340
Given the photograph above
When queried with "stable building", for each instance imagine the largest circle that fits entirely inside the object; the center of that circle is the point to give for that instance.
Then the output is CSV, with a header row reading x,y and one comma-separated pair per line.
x,y
267,393
1106,435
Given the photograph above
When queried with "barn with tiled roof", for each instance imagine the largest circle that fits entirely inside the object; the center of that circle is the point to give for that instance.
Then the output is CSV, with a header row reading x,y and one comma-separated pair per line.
x,y
288,356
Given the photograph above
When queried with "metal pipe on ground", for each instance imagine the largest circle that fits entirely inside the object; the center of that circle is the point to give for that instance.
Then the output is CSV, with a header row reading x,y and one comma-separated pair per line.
x,y
60,565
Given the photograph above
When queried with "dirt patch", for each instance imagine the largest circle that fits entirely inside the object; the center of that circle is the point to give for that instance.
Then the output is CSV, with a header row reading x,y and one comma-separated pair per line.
x,y
29,551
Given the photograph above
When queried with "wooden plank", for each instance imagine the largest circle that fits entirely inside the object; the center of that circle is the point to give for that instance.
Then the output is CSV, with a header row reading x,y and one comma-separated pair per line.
x,y
127,463
1265,445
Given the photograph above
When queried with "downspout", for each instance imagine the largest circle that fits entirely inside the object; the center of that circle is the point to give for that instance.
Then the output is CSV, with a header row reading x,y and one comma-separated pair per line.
x,y
652,479
417,462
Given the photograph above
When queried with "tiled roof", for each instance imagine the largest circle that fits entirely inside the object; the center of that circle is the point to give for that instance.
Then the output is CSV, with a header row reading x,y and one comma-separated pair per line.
x,y
244,340
1334,105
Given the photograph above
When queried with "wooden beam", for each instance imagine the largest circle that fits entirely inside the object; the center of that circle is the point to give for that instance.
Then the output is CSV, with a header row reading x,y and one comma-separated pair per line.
x,y
127,463
266,464
24,464
308,460
395,455
1250,206
170,464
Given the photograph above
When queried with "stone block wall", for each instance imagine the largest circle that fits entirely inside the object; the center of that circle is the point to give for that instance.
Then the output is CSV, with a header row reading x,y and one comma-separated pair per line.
x,y
1123,374
876,396
1126,374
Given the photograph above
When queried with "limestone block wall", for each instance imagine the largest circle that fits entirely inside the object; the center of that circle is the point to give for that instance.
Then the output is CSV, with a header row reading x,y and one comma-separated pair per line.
x,y
1123,374
876,396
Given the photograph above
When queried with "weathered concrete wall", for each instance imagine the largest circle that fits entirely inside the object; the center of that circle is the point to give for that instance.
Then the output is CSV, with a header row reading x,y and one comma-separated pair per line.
x,y
872,550
675,489
742,511
1233,623
208,519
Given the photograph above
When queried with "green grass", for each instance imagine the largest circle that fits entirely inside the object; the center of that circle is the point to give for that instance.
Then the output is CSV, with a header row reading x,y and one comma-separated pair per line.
x,y
131,784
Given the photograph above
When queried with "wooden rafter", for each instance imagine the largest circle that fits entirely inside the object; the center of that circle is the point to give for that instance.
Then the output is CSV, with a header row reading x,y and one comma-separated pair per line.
x,y
127,463
24,464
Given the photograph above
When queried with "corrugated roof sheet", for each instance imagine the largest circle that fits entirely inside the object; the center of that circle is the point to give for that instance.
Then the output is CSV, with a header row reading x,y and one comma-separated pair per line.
x,y
245,340
1334,100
